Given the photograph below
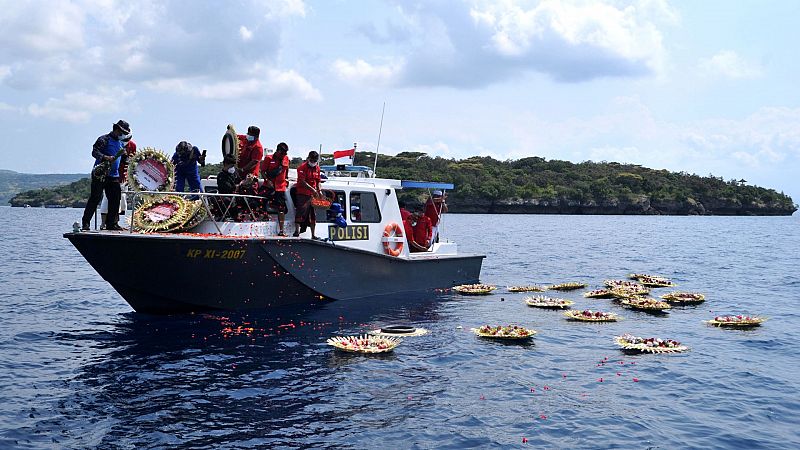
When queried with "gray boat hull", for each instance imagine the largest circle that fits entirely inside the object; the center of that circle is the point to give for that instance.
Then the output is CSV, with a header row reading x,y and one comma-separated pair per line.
x,y
165,274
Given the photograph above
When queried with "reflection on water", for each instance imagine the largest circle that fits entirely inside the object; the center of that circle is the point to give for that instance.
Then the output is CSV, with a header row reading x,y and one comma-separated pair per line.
x,y
79,370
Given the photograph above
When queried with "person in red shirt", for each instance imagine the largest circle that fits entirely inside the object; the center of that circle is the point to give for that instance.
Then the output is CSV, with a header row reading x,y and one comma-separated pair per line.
x,y
418,231
434,208
250,151
404,213
275,171
307,186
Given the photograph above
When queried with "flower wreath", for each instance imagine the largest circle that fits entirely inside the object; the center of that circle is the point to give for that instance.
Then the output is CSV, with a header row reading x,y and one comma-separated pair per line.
x,y
364,343
151,170
162,213
649,345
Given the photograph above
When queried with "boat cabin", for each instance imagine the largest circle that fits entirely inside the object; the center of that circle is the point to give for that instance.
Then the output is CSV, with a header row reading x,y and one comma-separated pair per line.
x,y
369,206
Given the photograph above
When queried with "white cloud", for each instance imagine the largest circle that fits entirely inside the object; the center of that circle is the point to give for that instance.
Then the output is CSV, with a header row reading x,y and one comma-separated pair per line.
x,y
728,63
246,34
476,43
79,107
361,71
75,45
272,84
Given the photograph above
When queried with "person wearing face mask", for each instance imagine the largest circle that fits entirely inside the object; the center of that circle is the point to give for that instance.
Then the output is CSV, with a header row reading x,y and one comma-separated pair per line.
x,y
275,170
227,180
107,148
250,151
130,150
418,230
185,159
308,178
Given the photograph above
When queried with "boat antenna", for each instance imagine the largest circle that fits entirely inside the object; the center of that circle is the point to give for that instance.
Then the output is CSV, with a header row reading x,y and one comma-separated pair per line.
x,y
380,130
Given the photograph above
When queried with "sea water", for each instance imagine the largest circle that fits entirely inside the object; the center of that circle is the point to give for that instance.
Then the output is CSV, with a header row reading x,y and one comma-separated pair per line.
x,y
79,369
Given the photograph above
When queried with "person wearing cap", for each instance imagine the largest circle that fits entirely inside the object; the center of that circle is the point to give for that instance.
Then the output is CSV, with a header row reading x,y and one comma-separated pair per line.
x,y
275,170
308,178
418,230
404,213
355,213
107,148
185,160
434,208
250,151
130,150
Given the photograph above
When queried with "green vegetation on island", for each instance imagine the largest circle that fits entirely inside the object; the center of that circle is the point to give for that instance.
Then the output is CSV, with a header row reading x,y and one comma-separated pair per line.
x,y
12,183
535,185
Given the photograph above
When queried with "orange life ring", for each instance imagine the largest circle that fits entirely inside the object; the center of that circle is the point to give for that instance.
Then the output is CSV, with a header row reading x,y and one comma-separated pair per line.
x,y
393,230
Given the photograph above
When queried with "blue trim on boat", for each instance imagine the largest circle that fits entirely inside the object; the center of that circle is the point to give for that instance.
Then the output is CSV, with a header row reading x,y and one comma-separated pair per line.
x,y
345,169
425,185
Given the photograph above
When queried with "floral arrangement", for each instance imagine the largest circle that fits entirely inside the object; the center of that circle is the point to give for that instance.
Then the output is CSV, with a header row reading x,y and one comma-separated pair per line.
x,y
638,276
474,289
587,315
162,213
649,345
364,344
629,291
530,288
504,332
737,321
541,301
645,303
567,286
656,281
151,170
684,297
598,293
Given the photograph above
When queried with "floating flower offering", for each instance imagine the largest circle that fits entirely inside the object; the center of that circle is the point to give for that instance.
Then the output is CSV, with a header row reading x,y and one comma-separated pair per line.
x,y
649,304
649,345
567,286
365,344
474,289
541,301
637,276
504,332
629,291
531,288
587,315
736,321
684,297
599,293
656,281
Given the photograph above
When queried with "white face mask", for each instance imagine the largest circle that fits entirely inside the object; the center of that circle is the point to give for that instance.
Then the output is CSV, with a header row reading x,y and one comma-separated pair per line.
x,y
232,170
312,164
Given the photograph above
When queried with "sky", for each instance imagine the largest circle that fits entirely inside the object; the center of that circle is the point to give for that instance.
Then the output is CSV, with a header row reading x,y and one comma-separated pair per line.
x,y
707,87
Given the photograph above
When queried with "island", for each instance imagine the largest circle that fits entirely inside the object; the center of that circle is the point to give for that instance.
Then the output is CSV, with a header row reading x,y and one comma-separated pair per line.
x,y
535,185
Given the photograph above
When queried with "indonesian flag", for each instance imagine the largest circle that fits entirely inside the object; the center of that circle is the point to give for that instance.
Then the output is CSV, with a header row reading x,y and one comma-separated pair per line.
x,y
344,157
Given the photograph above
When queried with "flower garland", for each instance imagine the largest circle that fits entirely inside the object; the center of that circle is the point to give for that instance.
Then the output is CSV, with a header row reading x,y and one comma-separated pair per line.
x,y
650,304
474,289
151,170
364,343
587,315
530,288
504,332
540,301
649,345
567,286
599,293
684,297
162,213
736,321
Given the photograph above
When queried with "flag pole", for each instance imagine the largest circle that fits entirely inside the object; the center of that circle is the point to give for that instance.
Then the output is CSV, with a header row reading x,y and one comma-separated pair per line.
x,y
380,130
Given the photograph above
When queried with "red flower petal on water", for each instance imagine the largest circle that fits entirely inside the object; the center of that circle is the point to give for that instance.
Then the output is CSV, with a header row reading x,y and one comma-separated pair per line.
x,y
635,380
533,389
600,379
483,398
547,388
563,375
542,416
619,374
524,440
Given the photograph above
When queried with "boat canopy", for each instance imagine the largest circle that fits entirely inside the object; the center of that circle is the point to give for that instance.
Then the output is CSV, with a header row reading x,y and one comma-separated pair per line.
x,y
408,184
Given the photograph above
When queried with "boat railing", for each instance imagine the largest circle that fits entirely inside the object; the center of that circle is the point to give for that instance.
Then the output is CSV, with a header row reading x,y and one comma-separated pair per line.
x,y
215,204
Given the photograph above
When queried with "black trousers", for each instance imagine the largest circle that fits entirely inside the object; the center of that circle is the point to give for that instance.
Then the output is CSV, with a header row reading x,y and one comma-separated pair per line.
x,y
113,192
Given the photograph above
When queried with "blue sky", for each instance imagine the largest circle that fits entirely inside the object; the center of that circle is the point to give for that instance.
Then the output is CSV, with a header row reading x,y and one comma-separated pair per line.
x,y
703,87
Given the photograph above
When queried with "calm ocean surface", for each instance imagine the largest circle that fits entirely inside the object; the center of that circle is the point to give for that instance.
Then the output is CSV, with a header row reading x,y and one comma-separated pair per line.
x,y
79,369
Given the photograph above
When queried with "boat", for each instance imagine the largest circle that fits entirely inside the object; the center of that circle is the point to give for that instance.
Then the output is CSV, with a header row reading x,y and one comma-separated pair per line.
x,y
226,264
